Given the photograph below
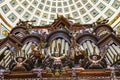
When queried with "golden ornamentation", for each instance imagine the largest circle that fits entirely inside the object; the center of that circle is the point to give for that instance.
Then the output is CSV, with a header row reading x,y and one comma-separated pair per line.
x,y
118,29
5,33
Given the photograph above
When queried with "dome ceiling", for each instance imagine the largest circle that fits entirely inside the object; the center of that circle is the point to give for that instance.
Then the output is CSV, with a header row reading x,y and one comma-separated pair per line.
x,y
45,11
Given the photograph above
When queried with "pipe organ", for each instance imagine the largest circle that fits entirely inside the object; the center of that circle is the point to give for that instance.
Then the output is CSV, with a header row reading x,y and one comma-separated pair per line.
x,y
59,38
7,57
57,44
89,45
26,49
113,53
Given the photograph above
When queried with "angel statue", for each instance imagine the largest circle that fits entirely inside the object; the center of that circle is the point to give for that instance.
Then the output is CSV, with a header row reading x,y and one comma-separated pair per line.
x,y
57,60
19,64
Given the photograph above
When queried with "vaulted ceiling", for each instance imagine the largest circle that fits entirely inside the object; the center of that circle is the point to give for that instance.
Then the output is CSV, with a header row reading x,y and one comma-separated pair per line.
x,y
45,11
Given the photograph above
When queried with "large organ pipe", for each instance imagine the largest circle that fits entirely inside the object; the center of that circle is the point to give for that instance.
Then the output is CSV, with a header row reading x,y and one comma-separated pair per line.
x,y
116,48
7,64
27,47
6,60
108,62
85,47
3,60
110,59
53,46
62,46
90,47
66,47
59,47
49,51
96,49
2,50
30,51
5,53
24,46
8,54
22,53
113,51
82,48
50,46
58,41
110,53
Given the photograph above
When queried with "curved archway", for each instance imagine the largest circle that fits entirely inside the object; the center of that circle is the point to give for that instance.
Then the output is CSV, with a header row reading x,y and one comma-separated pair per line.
x,y
60,41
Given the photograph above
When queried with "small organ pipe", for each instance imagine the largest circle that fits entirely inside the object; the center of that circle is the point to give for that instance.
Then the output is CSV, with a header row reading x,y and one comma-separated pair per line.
x,y
2,50
30,51
110,59
8,54
5,53
24,46
117,49
7,64
110,53
28,46
6,60
108,62
113,51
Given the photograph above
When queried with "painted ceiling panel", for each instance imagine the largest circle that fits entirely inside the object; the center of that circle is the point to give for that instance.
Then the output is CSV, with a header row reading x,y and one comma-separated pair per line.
x,y
45,11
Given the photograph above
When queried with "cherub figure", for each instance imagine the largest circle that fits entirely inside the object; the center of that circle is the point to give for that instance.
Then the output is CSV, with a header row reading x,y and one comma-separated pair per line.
x,y
57,58
95,61
19,64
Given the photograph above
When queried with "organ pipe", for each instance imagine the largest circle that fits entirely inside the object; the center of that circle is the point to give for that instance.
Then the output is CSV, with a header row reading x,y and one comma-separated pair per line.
x,y
116,48
7,64
8,54
27,47
113,51
110,53
2,50
53,46
85,46
90,47
6,60
96,49
30,51
5,53
62,45
110,59
24,46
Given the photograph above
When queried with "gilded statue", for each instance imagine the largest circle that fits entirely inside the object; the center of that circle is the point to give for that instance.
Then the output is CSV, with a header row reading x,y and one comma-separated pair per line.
x,y
100,21
37,52
25,23
76,47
